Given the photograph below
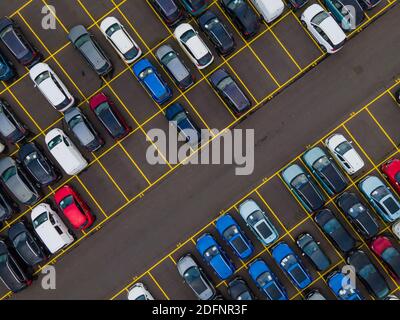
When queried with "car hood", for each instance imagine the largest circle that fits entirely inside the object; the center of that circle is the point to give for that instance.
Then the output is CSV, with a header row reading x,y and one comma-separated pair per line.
x,y
333,30
247,208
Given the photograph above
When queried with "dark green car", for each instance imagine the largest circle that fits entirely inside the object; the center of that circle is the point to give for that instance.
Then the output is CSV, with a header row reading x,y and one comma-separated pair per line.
x,y
348,13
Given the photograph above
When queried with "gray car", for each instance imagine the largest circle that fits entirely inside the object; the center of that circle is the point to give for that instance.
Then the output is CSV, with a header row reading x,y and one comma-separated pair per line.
x,y
11,128
89,48
17,182
175,67
83,130
194,276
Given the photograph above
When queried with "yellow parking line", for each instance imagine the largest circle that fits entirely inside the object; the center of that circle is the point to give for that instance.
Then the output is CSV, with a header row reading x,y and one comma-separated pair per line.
x,y
158,285
134,163
307,32
393,97
91,196
20,8
382,129
358,145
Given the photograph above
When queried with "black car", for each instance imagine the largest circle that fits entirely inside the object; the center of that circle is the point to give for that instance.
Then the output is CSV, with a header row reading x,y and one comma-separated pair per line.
x,y
312,250
217,32
169,10
11,129
243,16
12,37
178,116
230,91
238,290
358,214
369,275
37,165
7,206
26,244
368,4
11,273
334,229
397,96
297,4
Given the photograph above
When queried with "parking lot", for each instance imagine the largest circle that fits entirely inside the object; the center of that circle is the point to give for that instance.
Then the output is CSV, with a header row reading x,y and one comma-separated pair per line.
x,y
264,66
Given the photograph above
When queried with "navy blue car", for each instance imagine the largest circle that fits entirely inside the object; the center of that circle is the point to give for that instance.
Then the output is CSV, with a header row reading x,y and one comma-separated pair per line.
x,y
6,69
266,280
230,231
291,264
342,288
214,256
149,77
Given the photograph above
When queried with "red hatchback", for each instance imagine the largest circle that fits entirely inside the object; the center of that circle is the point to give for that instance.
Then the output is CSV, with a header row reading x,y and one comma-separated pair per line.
x,y
74,208
384,249
391,170
109,116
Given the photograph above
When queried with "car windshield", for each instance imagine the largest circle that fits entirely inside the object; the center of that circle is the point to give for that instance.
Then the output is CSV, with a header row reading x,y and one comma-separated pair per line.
x,y
230,232
9,173
397,177
168,58
180,117
20,240
356,210
332,226
193,277
67,201
321,163
141,297
42,218
54,142
145,73
188,35
391,256
112,29
234,4
367,271
31,157
75,121
379,193
3,258
101,108
343,148
299,181
224,83
212,23
311,248
319,18
255,217
82,40
41,77
264,279
211,253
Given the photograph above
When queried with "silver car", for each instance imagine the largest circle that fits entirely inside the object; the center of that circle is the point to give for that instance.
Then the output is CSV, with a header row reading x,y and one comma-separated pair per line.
x,y
194,276
171,62
17,182
91,51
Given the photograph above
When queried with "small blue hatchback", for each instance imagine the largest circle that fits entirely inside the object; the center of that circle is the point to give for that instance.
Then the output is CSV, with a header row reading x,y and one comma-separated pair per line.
x,y
342,290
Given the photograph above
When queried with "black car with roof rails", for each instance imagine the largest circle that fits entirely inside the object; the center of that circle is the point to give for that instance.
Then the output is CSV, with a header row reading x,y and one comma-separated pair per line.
x,y
11,272
239,290
217,32
312,250
15,41
296,4
7,206
243,16
230,91
335,230
11,129
358,214
39,167
170,11
368,273
26,244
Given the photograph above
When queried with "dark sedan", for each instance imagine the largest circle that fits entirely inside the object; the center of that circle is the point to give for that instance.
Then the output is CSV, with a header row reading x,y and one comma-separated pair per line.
x,y
217,32
109,116
7,206
83,130
297,4
369,275
11,273
10,127
368,4
334,229
26,244
12,38
243,16
312,250
239,290
230,91
169,10
38,165
358,214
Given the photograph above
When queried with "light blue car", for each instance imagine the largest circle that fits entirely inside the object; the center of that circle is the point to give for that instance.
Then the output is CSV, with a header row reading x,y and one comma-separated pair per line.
x,y
381,198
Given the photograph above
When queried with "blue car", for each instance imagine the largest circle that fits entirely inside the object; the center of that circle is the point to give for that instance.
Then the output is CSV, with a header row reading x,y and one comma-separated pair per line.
x,y
214,256
291,264
231,233
337,283
149,77
266,280
6,71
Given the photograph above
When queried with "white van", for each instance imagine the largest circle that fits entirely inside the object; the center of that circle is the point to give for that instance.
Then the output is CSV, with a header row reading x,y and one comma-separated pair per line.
x,y
65,152
269,9
50,228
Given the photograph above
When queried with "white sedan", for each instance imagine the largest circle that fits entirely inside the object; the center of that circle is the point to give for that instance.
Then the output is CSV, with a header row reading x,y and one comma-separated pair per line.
x,y
139,292
193,45
344,153
324,28
51,87
120,39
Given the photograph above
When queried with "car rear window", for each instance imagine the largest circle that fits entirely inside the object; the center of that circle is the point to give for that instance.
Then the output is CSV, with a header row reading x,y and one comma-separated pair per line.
x,y
274,292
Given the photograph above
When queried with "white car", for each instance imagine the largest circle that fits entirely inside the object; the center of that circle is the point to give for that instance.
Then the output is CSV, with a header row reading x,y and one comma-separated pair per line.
x,y
269,9
50,228
2,147
139,292
344,153
193,45
65,152
120,39
51,87
396,229
324,28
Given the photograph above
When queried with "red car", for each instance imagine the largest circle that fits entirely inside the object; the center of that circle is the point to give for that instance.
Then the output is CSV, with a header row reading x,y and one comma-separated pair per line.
x,y
74,208
109,116
384,249
391,170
